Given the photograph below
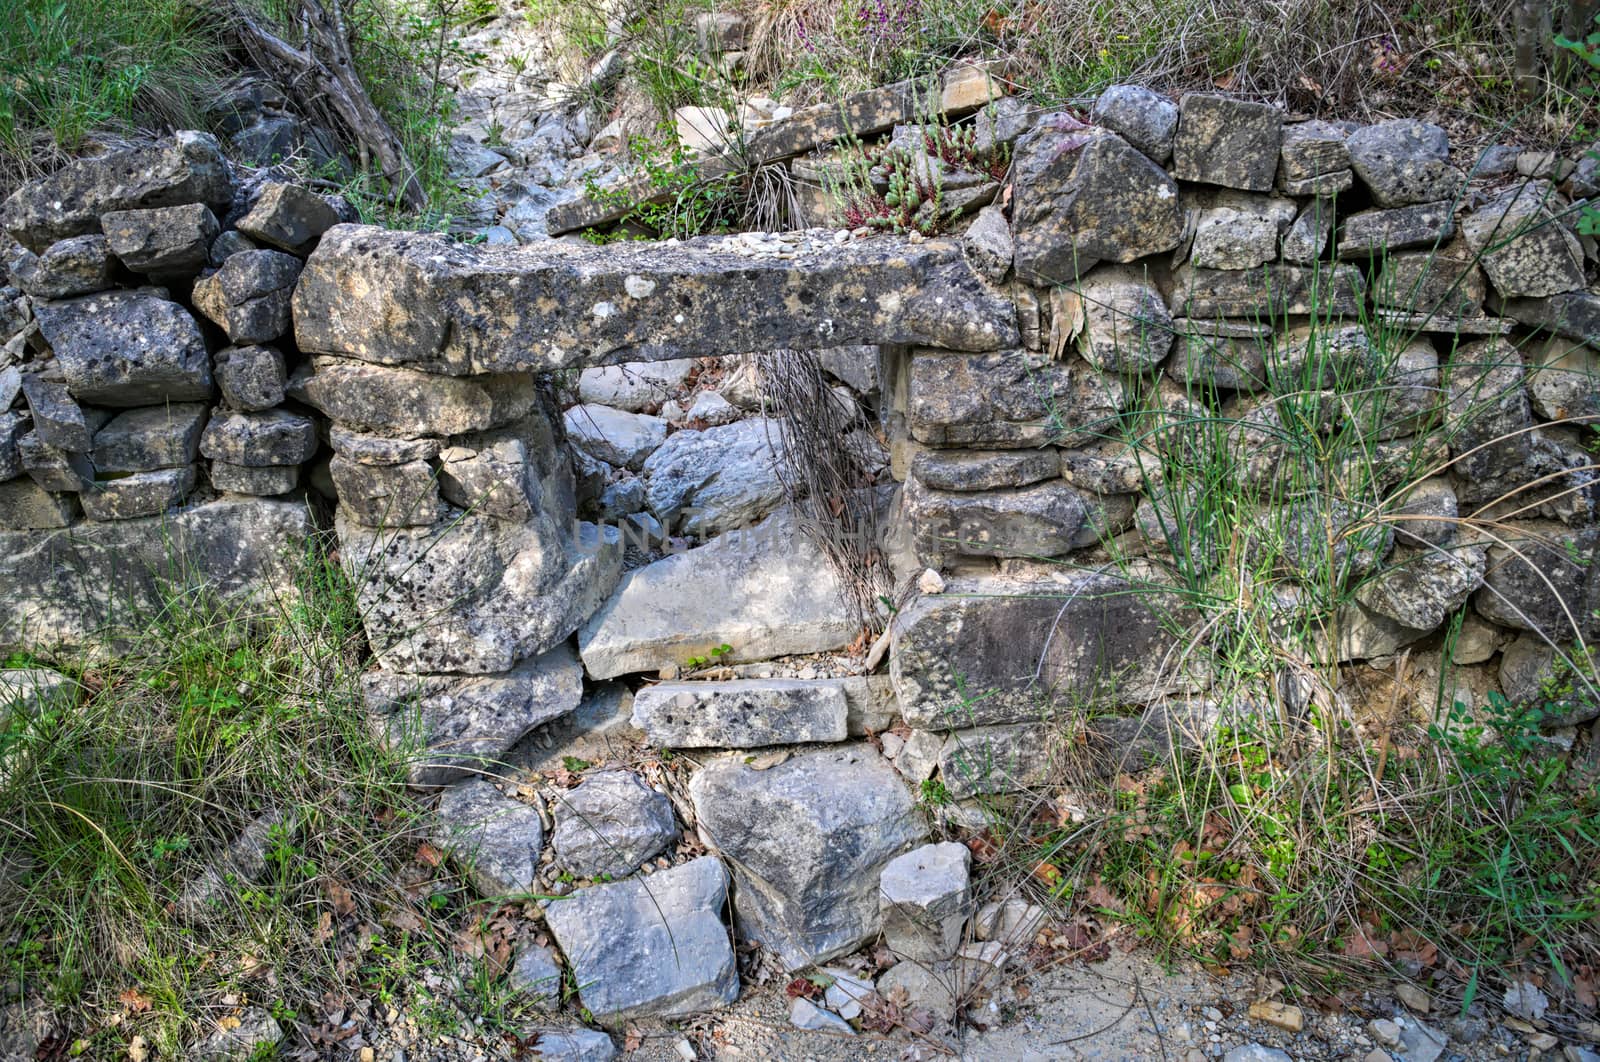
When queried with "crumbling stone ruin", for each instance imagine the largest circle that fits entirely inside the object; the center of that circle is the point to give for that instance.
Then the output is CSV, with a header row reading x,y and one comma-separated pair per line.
x,y
205,367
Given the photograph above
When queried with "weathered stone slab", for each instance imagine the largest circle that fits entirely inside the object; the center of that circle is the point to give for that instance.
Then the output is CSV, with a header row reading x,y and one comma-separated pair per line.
x,y
1312,149
127,348
1574,314
1418,588
993,651
1524,248
138,494
615,436
1126,326
163,239
1009,400
741,713
1084,196
251,378
271,437
141,440
456,725
766,591
408,404
1042,520
1564,380
1375,232
249,297
405,495
66,587
188,169
493,480
1275,290
1141,116
650,947
409,299
1404,162
808,840
1227,141
58,420
473,594
79,265
1445,281
974,470
264,481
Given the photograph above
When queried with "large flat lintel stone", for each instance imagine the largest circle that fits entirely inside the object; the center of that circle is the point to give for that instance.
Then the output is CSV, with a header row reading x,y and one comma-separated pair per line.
x,y
416,300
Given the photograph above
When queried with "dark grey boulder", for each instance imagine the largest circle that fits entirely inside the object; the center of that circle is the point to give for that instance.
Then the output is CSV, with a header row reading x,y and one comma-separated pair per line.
x,y
187,169
1404,162
272,437
127,348
1019,649
1371,233
252,377
1141,116
498,838
249,296
78,265
288,216
1542,577
51,467
1041,520
161,240
142,440
57,418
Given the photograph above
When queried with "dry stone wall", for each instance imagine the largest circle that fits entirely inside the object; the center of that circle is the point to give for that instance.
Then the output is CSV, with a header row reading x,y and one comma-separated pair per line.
x,y
211,367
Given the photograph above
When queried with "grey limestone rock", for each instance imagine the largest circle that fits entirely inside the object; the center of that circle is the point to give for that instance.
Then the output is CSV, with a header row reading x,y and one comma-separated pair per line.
x,y
716,480
248,296
26,506
493,309
1084,196
407,404
78,265
807,839
142,440
288,216
127,348
1141,116
1524,249
1126,326
251,378
161,240
77,587
1404,162
138,494
615,436
651,946
405,495
187,169
975,470
1226,141
1022,645
271,437
766,591
925,897
498,838
610,823
741,713
455,725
